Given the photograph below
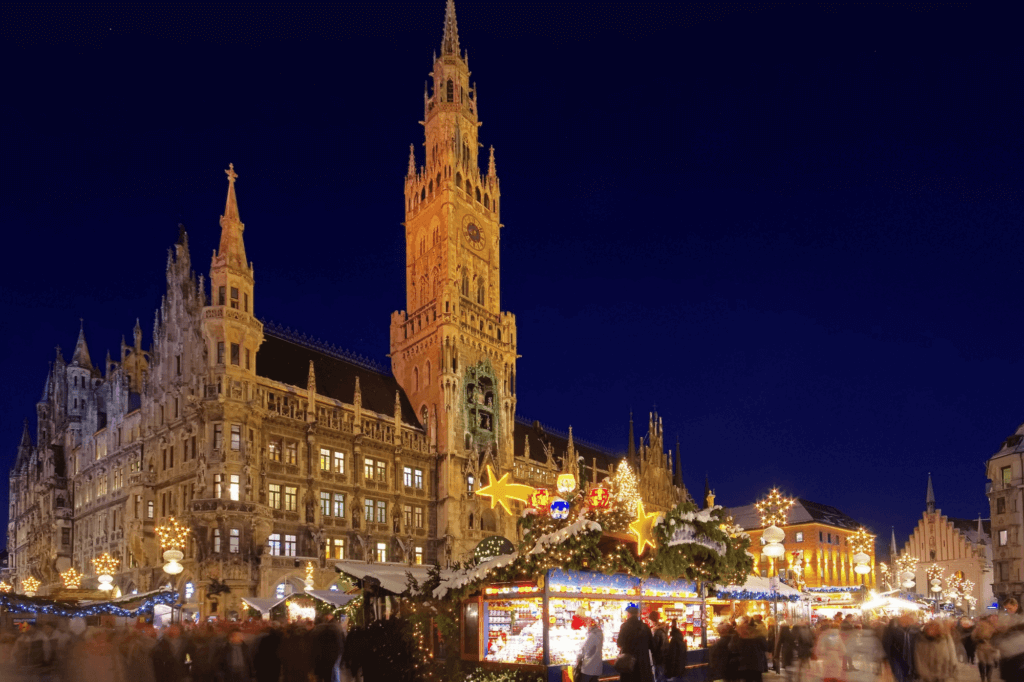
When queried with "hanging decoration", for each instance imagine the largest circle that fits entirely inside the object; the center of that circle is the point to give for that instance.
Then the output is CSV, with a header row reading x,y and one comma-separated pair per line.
x,y
5,587
310,573
907,565
599,498
643,528
935,575
500,491
774,509
173,536
71,578
860,543
541,499
565,483
559,509
105,567
30,585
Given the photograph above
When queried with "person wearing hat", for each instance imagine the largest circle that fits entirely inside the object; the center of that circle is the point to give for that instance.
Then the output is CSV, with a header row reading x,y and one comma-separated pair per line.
x,y
635,640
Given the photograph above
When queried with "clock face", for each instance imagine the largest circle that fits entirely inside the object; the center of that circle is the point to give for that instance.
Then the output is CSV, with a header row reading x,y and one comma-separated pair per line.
x,y
476,236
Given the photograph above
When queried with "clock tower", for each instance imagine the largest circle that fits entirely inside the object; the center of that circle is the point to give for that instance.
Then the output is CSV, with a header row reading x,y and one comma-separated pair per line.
x,y
453,350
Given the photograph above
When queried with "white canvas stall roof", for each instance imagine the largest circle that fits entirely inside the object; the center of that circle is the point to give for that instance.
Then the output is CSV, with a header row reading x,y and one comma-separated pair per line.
x,y
392,577
263,605
756,583
331,597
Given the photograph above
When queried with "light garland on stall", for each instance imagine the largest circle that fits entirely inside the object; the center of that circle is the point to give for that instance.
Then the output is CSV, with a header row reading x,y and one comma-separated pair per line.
x,y
18,604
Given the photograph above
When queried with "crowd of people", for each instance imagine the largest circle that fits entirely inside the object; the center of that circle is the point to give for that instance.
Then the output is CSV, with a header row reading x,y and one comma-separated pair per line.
x,y
257,651
843,649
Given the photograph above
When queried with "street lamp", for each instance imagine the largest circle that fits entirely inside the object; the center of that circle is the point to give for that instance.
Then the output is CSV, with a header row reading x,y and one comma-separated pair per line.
x,y
172,539
105,566
861,544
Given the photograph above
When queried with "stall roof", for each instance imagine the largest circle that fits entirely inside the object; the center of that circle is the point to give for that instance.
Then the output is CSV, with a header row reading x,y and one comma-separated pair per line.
x,y
331,597
263,605
392,577
758,585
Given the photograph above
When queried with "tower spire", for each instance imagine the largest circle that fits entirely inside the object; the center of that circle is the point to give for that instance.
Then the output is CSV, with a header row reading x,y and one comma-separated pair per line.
x,y
892,546
232,248
491,169
81,356
930,499
412,162
26,442
450,41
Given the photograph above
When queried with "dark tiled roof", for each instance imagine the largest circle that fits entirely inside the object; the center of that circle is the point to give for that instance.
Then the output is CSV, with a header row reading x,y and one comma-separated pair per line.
x,y
831,516
287,361
969,527
539,435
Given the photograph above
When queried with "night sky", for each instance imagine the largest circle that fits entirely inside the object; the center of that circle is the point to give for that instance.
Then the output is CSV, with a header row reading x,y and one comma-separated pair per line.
x,y
797,231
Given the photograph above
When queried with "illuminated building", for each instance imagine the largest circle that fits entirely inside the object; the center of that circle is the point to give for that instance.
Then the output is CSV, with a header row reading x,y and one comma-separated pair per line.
x,y
1005,471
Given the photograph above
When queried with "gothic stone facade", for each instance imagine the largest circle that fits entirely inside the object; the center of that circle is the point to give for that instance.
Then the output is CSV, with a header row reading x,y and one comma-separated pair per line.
x,y
276,450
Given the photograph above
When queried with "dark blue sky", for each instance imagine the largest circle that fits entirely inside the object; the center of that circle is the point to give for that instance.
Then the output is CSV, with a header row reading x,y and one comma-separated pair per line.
x,y
798,231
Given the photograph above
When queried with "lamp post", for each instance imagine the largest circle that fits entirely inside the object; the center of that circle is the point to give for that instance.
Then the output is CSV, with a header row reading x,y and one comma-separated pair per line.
x,y
773,510
172,539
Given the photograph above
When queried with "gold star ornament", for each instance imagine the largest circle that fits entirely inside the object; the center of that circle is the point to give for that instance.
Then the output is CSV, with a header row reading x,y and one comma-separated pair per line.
x,y
501,491
643,528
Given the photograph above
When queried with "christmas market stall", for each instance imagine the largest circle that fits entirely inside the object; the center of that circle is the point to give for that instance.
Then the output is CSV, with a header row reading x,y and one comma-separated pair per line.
x,y
586,555
21,608
758,595
826,602
382,585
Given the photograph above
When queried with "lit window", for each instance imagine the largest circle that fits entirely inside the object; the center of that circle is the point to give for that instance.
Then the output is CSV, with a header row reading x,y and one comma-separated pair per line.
x,y
368,508
339,462
150,508
325,459
280,591
190,589
216,540
336,548
417,478
1007,475
339,505
470,482
274,544
407,515
218,485
233,489
382,511
1004,538
236,437
274,450
419,517
234,540
407,477
418,554
291,453
291,496
325,503
368,469
382,552
800,536
274,495
381,471
290,545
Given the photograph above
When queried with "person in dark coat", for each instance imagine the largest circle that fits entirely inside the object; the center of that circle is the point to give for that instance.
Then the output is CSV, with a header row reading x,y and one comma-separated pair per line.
x,y
635,639
659,645
784,646
720,662
267,659
297,654
170,655
749,648
675,656
329,645
233,662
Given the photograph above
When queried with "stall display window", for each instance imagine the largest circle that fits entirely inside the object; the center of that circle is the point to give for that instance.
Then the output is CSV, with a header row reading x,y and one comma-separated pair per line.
x,y
568,628
515,631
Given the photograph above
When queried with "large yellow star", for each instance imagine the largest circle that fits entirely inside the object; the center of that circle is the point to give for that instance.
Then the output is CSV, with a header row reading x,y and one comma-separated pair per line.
x,y
501,491
643,528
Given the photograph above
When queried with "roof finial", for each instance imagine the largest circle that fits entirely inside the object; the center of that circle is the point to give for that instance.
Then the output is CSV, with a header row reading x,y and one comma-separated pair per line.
x,y
412,161
492,170
450,41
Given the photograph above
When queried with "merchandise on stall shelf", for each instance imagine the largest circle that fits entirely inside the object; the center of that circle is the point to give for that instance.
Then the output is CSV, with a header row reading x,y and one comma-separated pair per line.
x,y
515,631
566,641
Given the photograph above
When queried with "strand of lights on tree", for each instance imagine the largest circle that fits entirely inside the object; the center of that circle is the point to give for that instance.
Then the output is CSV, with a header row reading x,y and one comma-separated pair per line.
x,y
71,578
625,486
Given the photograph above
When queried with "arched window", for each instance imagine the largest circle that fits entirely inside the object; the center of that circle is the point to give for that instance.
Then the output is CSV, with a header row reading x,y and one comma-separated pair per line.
x,y
458,179
480,298
465,284
423,194
477,192
425,417
427,379
431,186
499,335
451,91
469,187
438,180
487,201
415,379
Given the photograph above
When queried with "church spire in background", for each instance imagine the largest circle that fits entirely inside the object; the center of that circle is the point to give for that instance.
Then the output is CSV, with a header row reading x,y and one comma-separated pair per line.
x,y
81,356
450,41
232,248
930,499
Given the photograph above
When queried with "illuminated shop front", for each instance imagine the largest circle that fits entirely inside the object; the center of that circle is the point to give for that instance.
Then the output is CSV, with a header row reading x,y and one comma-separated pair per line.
x,y
544,623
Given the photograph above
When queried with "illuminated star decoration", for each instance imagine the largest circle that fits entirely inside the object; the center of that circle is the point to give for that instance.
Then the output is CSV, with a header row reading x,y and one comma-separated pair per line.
x,y
501,491
774,509
71,578
643,528
30,584
4,587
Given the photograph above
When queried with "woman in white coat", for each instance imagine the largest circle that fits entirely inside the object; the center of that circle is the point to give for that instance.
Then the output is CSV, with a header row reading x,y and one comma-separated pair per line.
x,y
589,663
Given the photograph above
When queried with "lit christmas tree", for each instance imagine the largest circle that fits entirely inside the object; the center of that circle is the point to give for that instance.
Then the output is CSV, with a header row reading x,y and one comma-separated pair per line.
x,y
625,487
